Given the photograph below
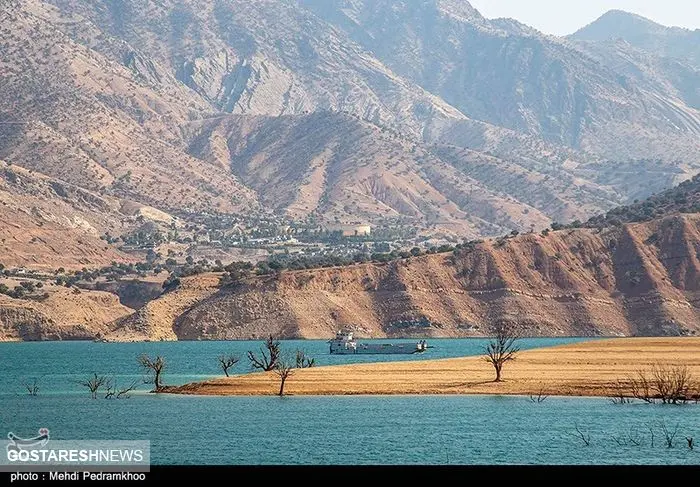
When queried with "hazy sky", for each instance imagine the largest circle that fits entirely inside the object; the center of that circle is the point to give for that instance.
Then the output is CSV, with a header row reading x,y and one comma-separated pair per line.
x,y
563,17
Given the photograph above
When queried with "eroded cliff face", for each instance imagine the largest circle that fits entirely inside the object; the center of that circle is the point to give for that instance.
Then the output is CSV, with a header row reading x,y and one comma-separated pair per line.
x,y
640,279
156,320
63,315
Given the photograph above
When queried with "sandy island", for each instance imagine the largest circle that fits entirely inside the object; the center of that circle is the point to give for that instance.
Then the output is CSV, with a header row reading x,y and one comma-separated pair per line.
x,y
581,369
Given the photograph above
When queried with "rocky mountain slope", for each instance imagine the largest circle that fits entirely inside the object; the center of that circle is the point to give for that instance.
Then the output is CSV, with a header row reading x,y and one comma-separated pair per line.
x,y
674,42
335,166
510,75
47,223
73,114
421,114
637,279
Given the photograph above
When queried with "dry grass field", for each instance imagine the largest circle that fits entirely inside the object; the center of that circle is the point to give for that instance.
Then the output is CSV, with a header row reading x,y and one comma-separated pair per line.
x,y
582,369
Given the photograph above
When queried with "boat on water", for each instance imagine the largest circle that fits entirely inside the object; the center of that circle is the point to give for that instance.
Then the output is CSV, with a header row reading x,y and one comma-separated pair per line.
x,y
345,344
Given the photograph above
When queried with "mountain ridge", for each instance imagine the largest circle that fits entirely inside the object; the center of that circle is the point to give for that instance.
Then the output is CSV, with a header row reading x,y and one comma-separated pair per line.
x,y
460,126
641,32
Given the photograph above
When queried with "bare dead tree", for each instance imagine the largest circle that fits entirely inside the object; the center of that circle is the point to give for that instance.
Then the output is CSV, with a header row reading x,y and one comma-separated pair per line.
x,y
154,369
619,396
304,362
619,440
630,438
585,437
110,389
673,384
33,387
94,384
690,441
269,355
633,437
669,436
284,368
502,348
641,387
651,431
227,361
668,384
540,397
114,392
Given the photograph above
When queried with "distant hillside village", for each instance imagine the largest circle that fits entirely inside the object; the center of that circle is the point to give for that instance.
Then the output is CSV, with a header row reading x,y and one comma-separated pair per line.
x,y
351,230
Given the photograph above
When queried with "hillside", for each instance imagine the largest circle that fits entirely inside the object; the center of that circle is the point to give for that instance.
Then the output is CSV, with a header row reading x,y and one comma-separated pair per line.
x,y
46,223
418,115
639,279
684,198
642,33
330,166
59,314
91,121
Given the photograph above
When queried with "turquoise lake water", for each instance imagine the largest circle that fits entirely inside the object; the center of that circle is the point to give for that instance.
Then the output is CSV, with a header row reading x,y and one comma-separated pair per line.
x,y
324,430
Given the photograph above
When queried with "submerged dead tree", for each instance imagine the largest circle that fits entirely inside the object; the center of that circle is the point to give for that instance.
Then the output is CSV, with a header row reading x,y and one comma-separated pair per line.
x,y
33,388
669,435
154,369
114,392
584,437
304,362
94,384
502,348
227,361
268,357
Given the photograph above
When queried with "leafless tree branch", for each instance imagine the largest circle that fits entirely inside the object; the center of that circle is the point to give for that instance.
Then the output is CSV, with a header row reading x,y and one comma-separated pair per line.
x,y
669,436
502,348
114,392
154,368
94,384
227,361
33,387
540,397
284,368
268,357
304,362
585,437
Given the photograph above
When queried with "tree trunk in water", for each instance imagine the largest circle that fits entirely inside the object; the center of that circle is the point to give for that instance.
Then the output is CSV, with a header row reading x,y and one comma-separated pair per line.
x,y
156,382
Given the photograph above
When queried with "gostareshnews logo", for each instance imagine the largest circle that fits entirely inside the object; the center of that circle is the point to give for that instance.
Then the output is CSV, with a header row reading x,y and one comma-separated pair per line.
x,y
38,453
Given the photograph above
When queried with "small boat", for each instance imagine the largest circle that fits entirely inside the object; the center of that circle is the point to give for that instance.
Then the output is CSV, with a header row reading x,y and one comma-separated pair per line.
x,y
345,344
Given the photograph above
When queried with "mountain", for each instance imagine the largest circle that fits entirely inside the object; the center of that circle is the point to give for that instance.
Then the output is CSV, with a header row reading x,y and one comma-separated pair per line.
x,y
328,166
89,120
675,42
507,74
420,115
655,57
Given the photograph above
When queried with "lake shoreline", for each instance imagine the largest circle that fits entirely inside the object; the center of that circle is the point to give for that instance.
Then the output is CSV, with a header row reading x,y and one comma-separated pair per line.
x,y
585,369
402,338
